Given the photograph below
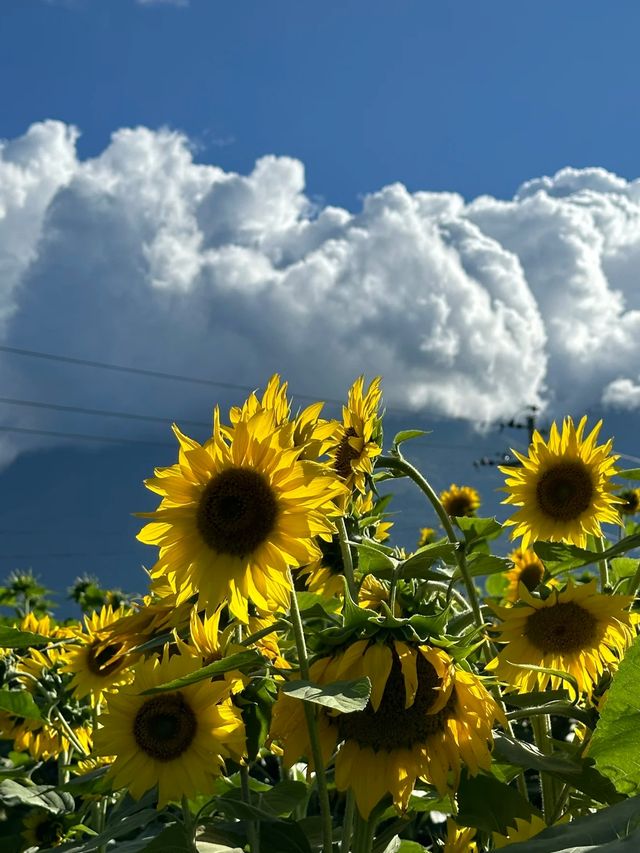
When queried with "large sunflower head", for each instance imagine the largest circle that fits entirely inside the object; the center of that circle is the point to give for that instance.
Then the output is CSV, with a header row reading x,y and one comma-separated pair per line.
x,y
97,663
460,500
356,441
176,740
425,718
577,631
528,569
239,512
563,487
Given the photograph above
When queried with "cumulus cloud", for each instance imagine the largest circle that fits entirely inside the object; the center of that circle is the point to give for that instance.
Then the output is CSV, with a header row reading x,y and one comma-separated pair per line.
x,y
143,256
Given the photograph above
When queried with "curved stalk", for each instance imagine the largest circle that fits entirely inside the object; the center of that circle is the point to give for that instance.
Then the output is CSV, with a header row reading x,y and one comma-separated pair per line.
x,y
347,560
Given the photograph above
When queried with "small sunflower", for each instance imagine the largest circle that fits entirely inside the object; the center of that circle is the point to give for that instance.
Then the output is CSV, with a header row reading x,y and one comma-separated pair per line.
x,y
95,663
630,501
356,441
43,829
563,487
528,569
176,740
238,514
577,630
522,831
41,740
373,592
460,500
427,536
459,839
425,718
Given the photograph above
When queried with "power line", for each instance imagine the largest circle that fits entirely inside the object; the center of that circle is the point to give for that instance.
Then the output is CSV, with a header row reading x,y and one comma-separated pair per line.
x,y
65,555
85,437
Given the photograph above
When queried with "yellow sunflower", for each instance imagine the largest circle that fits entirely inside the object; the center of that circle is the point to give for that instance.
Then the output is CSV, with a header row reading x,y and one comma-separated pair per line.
x,y
427,536
459,839
577,630
460,500
41,740
95,663
239,513
176,740
356,441
324,576
630,501
43,829
157,614
528,569
563,487
522,831
425,718
373,592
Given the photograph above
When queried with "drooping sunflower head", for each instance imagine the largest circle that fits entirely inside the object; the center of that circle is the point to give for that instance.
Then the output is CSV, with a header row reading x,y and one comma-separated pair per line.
x,y
460,500
564,486
630,501
175,740
43,829
240,512
425,717
356,441
528,569
577,631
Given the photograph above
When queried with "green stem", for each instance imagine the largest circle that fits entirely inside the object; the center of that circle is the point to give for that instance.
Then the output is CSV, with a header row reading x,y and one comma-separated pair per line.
x,y
603,565
347,823
542,734
312,726
189,824
634,583
347,560
70,734
252,829
399,463
270,629
363,834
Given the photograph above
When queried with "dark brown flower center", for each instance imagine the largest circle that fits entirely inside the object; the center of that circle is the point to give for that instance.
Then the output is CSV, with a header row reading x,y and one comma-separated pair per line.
x,y
393,726
459,505
49,832
531,575
563,627
631,502
345,454
105,660
165,726
565,491
237,511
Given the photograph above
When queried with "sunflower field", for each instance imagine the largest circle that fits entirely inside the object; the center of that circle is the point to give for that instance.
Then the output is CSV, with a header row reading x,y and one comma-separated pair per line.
x,y
293,682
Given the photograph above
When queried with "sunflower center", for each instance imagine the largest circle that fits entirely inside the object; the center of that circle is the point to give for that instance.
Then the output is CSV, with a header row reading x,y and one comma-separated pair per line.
x,y
393,726
565,491
459,505
48,832
345,454
563,627
531,575
104,660
237,511
165,726
631,503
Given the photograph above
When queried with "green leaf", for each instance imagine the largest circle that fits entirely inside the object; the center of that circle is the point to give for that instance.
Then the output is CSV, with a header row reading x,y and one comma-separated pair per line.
x,y
343,696
14,638
559,556
173,839
35,796
406,435
496,585
241,660
581,774
615,745
478,529
418,565
19,703
629,474
256,702
490,805
374,557
284,797
283,836
484,564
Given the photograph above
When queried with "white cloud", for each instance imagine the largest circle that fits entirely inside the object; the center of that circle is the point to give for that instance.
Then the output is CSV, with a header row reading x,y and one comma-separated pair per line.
x,y
141,256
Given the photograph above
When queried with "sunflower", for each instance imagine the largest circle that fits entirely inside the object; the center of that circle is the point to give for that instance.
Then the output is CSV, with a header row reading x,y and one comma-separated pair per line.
x,y
630,501
42,740
158,614
373,592
427,536
577,630
459,840
522,831
324,576
563,486
460,500
356,441
176,740
95,663
238,514
43,829
528,569
425,717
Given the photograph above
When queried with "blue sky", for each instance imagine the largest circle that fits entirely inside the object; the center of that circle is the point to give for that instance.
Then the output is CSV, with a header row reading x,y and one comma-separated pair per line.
x,y
128,250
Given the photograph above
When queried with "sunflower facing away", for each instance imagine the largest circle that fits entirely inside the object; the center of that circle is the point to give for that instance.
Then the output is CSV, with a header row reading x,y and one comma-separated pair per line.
x,y
563,486
460,500
528,569
425,718
236,513
577,630
176,740
356,441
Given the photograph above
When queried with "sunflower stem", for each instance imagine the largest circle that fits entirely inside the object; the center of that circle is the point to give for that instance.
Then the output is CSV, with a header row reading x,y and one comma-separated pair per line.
x,y
363,833
189,824
347,560
312,725
603,565
541,726
270,629
399,463
347,823
252,829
